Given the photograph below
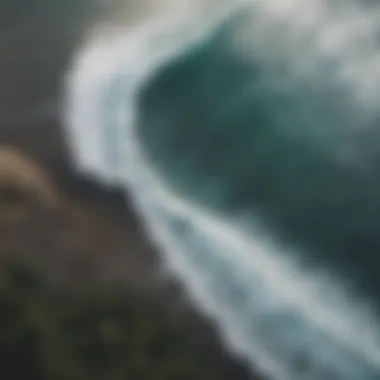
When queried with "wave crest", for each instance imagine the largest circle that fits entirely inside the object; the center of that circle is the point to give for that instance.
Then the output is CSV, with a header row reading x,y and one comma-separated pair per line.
x,y
290,320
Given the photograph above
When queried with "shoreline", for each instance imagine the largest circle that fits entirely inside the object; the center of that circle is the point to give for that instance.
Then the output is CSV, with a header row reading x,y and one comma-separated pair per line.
x,y
95,236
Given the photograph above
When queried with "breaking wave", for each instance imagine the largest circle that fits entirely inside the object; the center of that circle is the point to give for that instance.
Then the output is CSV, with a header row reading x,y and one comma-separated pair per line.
x,y
248,143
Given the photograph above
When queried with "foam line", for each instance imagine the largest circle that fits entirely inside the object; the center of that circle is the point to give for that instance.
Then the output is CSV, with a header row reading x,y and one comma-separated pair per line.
x,y
288,321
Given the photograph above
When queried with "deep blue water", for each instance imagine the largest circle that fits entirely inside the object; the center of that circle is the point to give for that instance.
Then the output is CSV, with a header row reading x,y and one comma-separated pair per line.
x,y
249,146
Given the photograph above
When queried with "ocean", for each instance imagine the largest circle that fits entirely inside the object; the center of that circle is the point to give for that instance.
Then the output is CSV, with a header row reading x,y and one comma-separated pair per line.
x,y
245,133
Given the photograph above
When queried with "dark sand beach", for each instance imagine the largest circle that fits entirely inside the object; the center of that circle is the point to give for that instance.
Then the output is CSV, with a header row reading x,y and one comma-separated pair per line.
x,y
79,239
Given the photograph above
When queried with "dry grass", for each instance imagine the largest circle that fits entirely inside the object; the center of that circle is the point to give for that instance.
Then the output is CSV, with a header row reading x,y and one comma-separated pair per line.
x,y
24,175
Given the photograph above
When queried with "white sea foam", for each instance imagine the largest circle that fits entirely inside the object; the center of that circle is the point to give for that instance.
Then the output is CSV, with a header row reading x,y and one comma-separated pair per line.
x,y
270,309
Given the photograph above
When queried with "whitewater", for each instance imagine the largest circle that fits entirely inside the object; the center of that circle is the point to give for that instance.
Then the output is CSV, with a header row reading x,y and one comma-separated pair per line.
x,y
245,133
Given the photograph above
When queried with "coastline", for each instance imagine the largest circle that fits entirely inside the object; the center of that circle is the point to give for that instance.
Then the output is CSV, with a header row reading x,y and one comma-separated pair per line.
x,y
94,236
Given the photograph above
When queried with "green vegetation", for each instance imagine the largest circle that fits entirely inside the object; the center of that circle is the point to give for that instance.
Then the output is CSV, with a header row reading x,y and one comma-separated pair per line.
x,y
105,335
58,322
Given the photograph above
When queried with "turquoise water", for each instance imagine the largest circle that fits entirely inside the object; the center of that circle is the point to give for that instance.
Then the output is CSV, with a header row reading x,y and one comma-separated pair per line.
x,y
249,149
